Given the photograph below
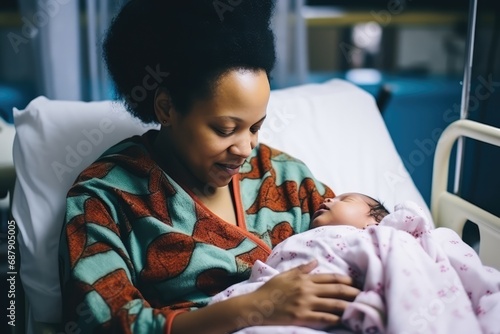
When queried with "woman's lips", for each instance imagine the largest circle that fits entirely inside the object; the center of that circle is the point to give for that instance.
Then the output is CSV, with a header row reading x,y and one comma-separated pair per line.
x,y
230,169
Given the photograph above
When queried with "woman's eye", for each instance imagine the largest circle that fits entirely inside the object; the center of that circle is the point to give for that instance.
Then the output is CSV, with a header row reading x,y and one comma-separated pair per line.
x,y
224,132
255,129
229,131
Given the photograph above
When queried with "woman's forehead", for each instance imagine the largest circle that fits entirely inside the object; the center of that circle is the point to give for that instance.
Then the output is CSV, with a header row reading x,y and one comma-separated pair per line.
x,y
239,95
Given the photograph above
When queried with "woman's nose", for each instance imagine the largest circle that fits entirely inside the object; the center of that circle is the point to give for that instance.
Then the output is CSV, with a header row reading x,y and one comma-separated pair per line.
x,y
244,146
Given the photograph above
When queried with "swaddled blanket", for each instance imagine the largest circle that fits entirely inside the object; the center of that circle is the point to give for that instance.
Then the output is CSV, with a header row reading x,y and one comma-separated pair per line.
x,y
415,279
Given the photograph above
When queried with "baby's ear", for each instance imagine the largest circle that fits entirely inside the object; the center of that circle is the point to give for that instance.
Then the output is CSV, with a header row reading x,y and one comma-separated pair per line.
x,y
372,223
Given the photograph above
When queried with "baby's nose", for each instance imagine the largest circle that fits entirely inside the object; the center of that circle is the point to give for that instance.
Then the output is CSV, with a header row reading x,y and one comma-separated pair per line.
x,y
328,200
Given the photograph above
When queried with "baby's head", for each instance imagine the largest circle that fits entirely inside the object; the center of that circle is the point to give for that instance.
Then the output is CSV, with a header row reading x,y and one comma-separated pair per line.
x,y
352,209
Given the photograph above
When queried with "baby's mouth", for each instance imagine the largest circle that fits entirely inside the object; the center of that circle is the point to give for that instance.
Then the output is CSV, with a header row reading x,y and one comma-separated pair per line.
x,y
319,212
322,208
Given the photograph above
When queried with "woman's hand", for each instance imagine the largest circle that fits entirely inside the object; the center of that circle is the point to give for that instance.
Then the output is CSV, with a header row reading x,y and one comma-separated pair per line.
x,y
296,297
293,297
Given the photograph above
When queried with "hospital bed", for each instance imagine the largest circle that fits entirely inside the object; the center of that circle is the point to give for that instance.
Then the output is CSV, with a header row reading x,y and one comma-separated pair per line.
x,y
334,127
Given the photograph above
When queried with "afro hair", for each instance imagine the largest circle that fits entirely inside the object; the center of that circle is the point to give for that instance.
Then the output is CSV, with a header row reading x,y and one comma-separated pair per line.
x,y
185,47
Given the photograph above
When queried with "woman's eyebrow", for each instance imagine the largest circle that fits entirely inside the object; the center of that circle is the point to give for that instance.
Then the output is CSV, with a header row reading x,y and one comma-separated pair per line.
x,y
237,119
261,120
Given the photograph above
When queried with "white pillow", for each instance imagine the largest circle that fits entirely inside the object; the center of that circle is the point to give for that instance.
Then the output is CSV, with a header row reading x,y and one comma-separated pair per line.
x,y
338,131
335,128
55,141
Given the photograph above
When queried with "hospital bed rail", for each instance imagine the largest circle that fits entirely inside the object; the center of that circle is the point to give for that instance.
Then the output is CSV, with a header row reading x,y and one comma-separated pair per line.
x,y
452,211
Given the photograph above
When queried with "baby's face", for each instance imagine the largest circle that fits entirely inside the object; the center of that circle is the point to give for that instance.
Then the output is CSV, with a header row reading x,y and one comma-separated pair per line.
x,y
346,209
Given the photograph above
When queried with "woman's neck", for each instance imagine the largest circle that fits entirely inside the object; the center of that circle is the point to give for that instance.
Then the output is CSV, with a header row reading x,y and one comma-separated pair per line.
x,y
166,156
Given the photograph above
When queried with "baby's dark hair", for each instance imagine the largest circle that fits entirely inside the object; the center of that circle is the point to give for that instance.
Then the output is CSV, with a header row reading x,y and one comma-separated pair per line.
x,y
377,210
185,47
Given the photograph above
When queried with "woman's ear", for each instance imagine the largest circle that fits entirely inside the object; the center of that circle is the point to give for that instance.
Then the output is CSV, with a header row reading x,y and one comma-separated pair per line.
x,y
163,106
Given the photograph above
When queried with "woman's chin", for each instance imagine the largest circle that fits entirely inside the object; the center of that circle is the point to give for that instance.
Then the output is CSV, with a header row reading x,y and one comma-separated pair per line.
x,y
210,187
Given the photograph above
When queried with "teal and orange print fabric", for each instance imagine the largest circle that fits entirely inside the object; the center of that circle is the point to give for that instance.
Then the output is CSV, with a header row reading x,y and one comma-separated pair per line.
x,y
137,248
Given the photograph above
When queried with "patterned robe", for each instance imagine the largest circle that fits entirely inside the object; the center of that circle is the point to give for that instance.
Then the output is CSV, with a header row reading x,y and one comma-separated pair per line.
x,y
137,247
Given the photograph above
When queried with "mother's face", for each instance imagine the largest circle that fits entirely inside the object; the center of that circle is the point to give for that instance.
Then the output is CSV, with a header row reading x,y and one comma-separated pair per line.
x,y
215,137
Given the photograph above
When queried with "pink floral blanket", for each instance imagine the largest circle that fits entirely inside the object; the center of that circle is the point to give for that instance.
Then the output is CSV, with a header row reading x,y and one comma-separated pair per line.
x,y
415,279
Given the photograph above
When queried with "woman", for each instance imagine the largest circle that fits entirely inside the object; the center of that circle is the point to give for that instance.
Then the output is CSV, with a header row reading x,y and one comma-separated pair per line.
x,y
163,221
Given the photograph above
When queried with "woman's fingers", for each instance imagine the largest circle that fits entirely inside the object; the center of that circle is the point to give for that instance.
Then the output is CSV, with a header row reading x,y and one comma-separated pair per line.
x,y
318,320
307,267
330,305
313,300
338,291
340,286
335,290
332,278
326,285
